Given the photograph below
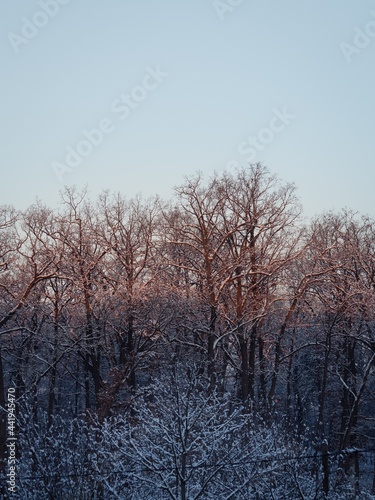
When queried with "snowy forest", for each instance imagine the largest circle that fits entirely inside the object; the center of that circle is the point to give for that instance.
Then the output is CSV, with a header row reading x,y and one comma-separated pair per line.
x,y
218,345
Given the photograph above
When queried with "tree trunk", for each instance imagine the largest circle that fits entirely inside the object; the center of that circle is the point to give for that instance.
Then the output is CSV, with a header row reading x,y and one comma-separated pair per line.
x,y
52,384
262,372
244,370
253,336
210,349
325,465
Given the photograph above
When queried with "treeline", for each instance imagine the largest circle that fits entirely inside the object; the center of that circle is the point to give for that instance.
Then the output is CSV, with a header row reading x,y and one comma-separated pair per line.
x,y
222,319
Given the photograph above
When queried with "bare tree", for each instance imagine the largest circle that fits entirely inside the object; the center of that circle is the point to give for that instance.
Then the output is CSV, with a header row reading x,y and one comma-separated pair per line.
x,y
27,259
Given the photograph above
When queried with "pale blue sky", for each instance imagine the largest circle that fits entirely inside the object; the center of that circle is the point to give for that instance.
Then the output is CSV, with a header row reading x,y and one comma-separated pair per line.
x,y
226,77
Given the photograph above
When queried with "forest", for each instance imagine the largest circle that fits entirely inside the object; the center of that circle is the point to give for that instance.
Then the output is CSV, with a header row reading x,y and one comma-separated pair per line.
x,y
218,345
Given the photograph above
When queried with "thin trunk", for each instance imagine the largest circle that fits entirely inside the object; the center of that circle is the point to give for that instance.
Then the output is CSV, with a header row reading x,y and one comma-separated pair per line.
x,y
348,437
350,400
278,351
244,370
87,382
52,384
223,369
183,477
210,348
323,389
262,371
289,388
130,350
52,390
298,402
253,336
325,465
77,390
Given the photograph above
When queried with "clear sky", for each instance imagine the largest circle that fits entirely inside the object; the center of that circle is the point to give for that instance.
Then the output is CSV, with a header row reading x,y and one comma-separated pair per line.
x,y
184,85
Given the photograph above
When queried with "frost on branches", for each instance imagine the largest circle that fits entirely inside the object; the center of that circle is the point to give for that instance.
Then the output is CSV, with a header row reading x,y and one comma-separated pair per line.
x,y
179,442
217,345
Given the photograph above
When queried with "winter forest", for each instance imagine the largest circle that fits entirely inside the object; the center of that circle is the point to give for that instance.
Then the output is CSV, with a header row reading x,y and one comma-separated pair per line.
x,y
219,345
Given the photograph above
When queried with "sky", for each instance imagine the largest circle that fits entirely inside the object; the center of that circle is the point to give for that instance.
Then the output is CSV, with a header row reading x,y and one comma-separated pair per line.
x,y
132,96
